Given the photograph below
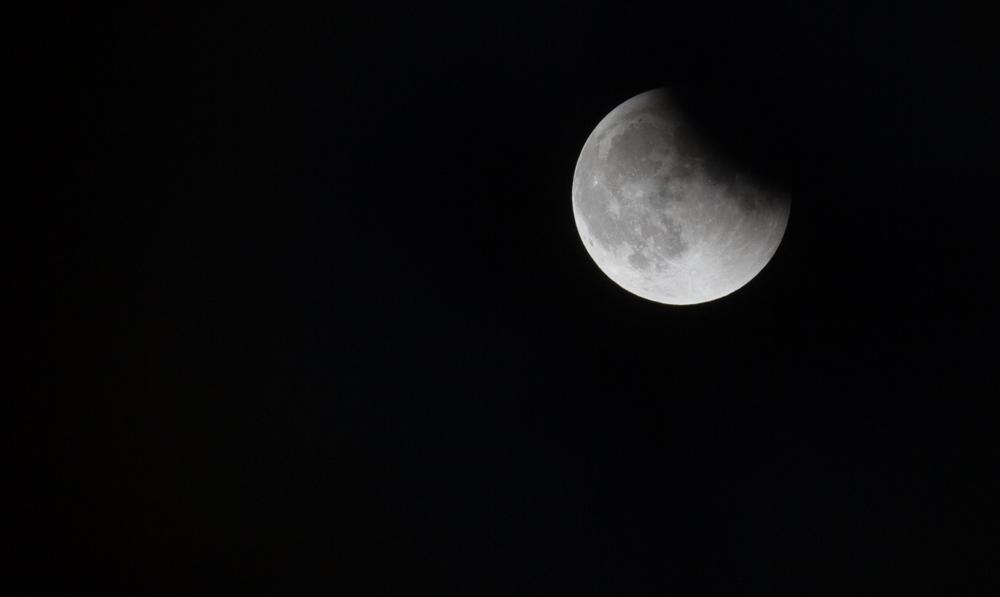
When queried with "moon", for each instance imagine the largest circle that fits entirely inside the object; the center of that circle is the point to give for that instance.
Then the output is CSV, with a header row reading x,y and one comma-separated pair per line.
x,y
664,214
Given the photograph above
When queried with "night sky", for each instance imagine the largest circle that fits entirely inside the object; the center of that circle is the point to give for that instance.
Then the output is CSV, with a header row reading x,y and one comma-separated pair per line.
x,y
309,314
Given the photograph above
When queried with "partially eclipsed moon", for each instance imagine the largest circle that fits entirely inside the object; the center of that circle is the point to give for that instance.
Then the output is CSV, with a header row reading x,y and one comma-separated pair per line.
x,y
665,216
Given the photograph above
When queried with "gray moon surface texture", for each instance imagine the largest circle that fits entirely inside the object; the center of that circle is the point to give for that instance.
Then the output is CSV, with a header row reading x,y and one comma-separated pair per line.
x,y
663,214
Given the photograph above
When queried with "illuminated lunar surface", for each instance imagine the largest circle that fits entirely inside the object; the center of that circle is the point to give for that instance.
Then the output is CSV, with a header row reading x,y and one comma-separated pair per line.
x,y
665,216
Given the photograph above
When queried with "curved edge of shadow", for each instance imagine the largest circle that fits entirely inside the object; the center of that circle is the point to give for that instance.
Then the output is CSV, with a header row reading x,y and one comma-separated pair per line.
x,y
755,127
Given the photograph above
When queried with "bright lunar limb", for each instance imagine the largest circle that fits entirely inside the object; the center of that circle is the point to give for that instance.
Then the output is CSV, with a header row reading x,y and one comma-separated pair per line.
x,y
663,214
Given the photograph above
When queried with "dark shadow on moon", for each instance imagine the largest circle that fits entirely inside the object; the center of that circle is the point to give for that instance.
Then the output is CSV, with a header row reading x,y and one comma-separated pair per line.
x,y
752,127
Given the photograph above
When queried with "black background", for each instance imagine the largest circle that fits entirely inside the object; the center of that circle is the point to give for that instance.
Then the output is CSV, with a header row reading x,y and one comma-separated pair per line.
x,y
309,313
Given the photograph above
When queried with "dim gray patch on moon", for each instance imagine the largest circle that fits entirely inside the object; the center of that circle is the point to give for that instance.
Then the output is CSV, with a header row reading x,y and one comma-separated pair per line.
x,y
666,217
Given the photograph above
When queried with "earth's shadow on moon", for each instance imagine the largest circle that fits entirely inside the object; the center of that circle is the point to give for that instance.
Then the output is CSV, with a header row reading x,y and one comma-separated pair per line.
x,y
751,127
